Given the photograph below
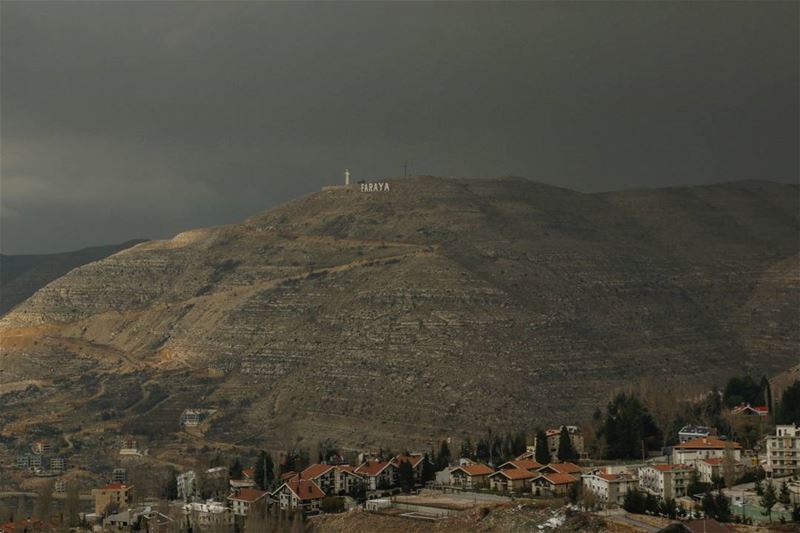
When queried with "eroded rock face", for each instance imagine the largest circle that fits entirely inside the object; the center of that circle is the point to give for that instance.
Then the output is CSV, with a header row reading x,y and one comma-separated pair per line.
x,y
441,306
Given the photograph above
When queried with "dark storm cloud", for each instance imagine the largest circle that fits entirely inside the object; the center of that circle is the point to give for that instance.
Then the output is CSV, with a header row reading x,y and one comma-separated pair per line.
x,y
142,119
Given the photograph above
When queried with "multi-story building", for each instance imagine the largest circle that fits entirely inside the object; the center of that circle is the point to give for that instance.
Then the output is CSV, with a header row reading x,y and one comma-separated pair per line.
x,y
58,464
695,450
378,474
713,468
470,476
609,489
119,475
299,494
553,438
60,485
783,451
112,496
242,500
666,481
333,479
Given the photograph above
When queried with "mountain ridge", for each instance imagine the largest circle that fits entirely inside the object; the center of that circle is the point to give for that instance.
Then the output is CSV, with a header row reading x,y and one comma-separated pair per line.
x,y
441,307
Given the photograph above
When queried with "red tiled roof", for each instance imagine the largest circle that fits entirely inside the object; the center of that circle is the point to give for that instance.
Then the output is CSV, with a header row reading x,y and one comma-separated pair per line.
x,y
315,470
559,478
526,464
565,468
526,455
413,459
248,473
707,443
475,469
346,468
248,495
305,489
669,468
514,473
289,475
372,468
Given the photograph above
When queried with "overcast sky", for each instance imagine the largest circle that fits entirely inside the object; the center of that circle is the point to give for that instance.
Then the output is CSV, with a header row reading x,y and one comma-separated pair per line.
x,y
142,119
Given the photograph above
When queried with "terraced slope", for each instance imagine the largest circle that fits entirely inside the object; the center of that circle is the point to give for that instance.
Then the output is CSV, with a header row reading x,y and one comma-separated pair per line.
x,y
440,307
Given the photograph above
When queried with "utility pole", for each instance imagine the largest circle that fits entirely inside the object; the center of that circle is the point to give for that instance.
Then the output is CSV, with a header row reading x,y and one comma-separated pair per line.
x,y
405,168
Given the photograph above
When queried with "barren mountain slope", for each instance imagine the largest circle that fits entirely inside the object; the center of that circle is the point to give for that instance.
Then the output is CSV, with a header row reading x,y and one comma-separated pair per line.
x,y
23,275
442,306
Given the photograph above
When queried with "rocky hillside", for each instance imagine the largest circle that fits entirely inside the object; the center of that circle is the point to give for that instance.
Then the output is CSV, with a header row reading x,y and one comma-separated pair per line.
x,y
23,275
440,307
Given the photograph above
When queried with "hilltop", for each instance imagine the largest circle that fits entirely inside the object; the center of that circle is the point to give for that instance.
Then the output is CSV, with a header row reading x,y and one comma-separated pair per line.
x,y
23,275
441,307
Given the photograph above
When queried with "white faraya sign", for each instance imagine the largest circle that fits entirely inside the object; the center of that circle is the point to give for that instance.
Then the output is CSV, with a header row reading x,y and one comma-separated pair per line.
x,y
378,186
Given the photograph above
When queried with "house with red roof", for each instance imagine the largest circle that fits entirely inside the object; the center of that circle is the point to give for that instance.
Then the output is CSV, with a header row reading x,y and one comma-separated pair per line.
x,y
524,464
694,450
333,479
609,488
552,483
378,474
745,409
243,499
417,462
561,468
470,476
299,494
511,480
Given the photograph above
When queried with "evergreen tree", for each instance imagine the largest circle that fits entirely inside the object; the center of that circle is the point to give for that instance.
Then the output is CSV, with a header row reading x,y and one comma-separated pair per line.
x,y
235,470
742,390
443,457
289,464
766,391
428,471
785,497
542,454
405,476
264,471
788,408
635,501
565,450
169,491
768,500
759,487
628,427
466,448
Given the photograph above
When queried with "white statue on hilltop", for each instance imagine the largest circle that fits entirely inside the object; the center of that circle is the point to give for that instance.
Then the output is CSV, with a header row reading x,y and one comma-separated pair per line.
x,y
346,176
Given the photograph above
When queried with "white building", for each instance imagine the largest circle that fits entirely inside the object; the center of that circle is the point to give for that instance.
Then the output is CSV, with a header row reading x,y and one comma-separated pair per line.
x,y
783,451
609,489
695,450
714,468
207,514
665,481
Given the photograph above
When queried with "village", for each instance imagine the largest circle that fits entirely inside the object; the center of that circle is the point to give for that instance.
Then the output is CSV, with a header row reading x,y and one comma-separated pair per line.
x,y
705,478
